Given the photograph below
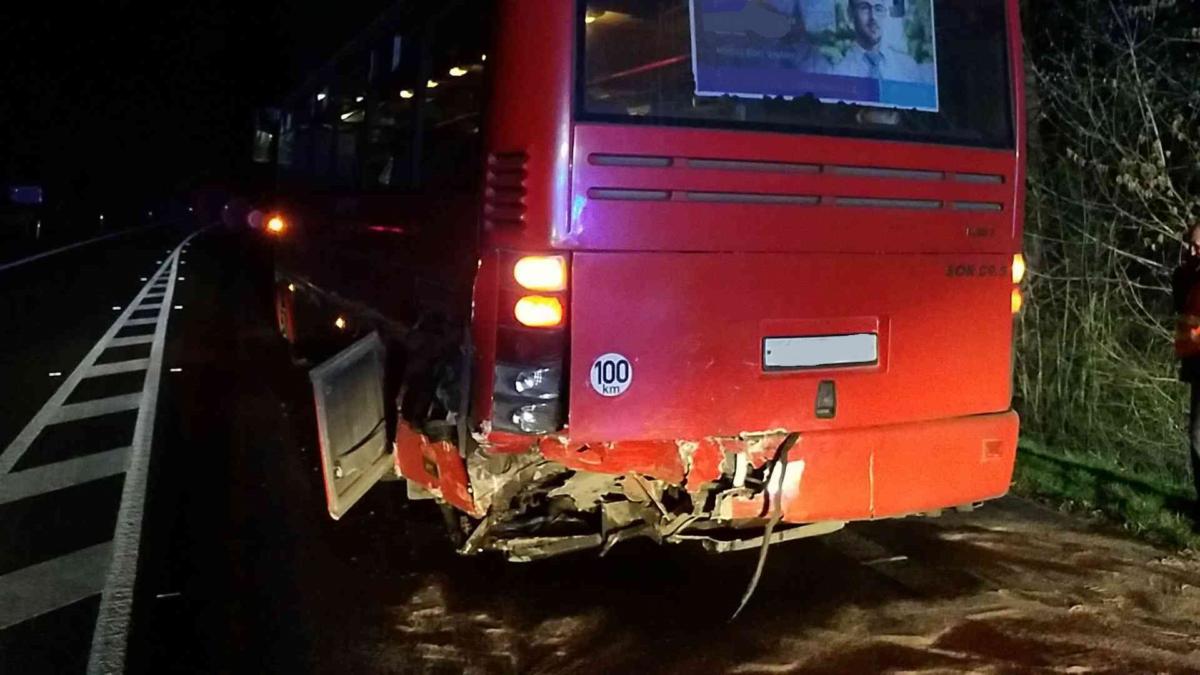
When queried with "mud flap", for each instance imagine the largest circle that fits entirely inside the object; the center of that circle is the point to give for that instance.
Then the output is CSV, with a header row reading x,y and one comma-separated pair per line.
x,y
348,392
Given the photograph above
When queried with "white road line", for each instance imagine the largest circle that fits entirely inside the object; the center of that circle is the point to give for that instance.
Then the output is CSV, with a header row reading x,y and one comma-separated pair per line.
x,y
45,587
64,249
98,407
62,475
44,417
133,366
132,340
109,568
141,322
157,305
111,637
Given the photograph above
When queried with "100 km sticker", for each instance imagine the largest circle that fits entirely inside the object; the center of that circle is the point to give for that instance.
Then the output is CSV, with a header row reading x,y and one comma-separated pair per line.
x,y
611,375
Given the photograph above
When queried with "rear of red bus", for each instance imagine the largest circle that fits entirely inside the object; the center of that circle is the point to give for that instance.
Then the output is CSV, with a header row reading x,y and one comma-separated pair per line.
x,y
732,305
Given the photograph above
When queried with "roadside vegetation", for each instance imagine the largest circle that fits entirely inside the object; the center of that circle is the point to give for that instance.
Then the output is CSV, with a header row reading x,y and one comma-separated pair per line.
x,y
1114,102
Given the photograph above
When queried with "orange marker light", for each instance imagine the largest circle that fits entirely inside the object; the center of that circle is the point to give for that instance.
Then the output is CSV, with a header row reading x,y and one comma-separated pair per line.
x,y
276,225
1018,268
340,323
541,273
539,311
1018,301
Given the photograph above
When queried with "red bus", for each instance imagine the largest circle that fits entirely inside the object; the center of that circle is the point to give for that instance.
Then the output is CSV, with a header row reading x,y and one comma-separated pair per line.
x,y
589,270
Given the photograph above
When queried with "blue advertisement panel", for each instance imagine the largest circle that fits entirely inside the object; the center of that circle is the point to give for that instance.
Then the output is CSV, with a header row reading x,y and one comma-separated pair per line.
x,y
879,53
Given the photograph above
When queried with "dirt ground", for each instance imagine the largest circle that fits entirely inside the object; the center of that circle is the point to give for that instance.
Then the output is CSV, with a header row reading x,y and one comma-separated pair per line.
x,y
1012,587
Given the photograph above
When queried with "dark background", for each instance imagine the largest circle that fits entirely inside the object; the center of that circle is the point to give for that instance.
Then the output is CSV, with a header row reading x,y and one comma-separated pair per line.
x,y
121,104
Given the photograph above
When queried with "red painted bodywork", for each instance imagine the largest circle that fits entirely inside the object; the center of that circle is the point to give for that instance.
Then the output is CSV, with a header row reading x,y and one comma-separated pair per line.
x,y
436,465
688,289
879,472
680,225
833,474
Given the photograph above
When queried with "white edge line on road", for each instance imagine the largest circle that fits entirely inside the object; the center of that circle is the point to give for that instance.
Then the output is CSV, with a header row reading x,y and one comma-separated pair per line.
x,y
140,322
69,247
102,369
42,588
98,407
131,340
110,641
48,412
62,475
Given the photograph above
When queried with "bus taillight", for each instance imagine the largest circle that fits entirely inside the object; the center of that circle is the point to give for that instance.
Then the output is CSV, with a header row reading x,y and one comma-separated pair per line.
x,y
1018,268
1018,301
539,311
541,273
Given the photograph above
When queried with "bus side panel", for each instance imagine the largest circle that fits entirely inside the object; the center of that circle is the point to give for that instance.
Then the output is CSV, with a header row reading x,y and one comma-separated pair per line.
x,y
394,256
530,114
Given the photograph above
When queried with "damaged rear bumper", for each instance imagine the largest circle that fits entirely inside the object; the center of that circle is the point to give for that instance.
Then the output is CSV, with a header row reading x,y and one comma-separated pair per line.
x,y
536,490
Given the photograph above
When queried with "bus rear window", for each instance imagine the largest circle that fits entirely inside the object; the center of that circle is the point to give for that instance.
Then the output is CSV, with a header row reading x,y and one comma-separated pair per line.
x,y
918,70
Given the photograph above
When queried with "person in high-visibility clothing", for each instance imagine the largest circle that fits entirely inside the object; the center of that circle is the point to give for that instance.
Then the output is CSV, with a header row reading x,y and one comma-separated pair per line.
x,y
1186,290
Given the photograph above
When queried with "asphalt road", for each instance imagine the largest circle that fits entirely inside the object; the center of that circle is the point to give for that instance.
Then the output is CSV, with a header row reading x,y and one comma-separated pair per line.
x,y
241,570
76,372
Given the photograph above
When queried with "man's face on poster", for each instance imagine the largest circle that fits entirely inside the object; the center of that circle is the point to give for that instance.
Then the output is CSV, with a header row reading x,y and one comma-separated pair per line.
x,y
865,15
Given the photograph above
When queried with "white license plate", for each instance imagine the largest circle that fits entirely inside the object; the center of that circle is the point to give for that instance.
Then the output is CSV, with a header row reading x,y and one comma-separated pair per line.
x,y
821,351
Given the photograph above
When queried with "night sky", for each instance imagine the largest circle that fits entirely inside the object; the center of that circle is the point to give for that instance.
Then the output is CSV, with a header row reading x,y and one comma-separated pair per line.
x,y
127,101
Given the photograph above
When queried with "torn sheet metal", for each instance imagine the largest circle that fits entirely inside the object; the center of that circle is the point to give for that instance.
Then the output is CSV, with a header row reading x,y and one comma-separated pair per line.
x,y
717,545
527,549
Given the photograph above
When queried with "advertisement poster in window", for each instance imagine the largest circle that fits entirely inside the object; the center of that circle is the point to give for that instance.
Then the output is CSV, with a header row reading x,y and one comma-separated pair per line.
x,y
879,53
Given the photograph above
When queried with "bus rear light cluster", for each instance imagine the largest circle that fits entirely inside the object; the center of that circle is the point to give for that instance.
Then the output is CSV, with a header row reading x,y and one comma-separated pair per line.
x,y
1019,270
529,375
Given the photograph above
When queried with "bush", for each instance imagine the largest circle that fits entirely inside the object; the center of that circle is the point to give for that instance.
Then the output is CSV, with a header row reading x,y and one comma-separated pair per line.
x,y
1114,178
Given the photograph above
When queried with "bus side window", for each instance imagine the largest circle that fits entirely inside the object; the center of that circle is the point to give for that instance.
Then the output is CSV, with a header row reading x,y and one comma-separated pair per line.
x,y
296,146
349,102
452,114
321,134
385,159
